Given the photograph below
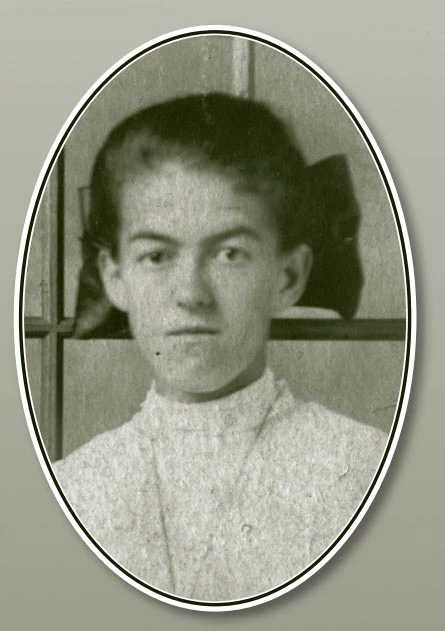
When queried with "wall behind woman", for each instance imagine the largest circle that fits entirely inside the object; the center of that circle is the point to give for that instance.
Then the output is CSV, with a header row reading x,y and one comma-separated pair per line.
x,y
104,381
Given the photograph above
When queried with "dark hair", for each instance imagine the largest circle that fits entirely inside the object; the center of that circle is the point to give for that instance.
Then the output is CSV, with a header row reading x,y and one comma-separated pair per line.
x,y
237,137
243,140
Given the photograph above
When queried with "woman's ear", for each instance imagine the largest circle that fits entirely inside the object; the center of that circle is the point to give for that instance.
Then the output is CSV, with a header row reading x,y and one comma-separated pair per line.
x,y
110,274
295,269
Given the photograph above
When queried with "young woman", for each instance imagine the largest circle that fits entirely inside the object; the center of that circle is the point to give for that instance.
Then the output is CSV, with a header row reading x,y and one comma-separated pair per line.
x,y
205,223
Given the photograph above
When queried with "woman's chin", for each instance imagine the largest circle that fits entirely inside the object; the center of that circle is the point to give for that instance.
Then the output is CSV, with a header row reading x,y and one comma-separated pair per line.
x,y
198,388
203,379
191,390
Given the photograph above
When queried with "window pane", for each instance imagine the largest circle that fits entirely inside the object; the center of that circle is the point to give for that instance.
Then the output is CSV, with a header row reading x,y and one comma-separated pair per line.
x,y
33,350
105,381
323,128
358,379
193,65
36,287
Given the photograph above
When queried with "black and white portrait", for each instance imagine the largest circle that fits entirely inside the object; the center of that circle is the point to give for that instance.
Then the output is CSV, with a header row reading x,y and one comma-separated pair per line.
x,y
217,318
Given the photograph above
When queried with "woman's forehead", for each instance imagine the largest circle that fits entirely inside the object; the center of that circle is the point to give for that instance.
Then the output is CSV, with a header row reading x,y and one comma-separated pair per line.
x,y
177,178
189,201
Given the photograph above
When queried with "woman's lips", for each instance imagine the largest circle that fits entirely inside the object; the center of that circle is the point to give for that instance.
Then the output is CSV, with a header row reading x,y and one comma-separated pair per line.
x,y
193,336
193,331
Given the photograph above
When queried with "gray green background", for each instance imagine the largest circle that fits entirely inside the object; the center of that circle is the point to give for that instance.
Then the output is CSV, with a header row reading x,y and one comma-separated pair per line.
x,y
358,379
390,62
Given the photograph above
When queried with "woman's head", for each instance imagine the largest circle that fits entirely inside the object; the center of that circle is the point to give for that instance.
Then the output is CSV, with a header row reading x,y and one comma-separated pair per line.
x,y
203,220
237,138
192,203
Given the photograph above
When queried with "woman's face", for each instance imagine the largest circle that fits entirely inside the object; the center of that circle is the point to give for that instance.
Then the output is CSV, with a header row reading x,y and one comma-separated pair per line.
x,y
200,274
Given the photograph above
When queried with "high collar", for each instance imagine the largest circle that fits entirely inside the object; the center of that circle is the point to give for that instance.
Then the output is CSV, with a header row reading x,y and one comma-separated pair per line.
x,y
240,411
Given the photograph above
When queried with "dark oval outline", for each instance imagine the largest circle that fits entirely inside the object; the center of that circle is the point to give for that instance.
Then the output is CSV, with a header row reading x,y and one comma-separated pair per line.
x,y
260,38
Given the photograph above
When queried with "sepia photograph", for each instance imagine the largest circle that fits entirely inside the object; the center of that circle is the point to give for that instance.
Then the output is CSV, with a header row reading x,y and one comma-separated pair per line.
x,y
216,318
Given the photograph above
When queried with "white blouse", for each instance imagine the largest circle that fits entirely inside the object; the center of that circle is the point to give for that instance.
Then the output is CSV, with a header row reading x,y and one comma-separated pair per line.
x,y
223,500
199,452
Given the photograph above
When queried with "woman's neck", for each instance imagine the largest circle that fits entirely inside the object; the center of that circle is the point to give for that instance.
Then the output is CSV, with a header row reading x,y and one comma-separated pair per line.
x,y
251,374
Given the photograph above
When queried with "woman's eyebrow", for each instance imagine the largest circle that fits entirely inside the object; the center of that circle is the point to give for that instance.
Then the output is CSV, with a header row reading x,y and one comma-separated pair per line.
x,y
239,231
148,235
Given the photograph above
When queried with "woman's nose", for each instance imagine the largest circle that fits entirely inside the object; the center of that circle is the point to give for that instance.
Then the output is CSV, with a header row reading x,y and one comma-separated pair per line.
x,y
193,288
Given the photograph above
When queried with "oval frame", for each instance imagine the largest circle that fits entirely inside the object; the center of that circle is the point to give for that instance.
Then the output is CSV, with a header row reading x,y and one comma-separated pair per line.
x,y
410,332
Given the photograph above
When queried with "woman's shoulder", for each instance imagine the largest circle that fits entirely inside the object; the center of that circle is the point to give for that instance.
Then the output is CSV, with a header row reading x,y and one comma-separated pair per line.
x,y
103,461
101,481
311,417
323,437
328,425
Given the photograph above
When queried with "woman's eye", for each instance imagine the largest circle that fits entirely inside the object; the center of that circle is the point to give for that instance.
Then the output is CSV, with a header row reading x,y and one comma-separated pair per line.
x,y
155,257
232,255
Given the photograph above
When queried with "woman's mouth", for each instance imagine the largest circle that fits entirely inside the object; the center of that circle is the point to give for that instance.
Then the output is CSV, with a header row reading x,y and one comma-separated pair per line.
x,y
193,331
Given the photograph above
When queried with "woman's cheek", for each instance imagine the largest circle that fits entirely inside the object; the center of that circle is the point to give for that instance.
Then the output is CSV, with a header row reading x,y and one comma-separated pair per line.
x,y
259,290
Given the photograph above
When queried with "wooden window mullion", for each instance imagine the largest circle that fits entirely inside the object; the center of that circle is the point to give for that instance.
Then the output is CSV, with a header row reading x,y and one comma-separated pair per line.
x,y
51,412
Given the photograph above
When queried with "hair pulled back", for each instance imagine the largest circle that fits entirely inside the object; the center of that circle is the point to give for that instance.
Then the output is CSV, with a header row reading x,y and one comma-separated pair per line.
x,y
246,142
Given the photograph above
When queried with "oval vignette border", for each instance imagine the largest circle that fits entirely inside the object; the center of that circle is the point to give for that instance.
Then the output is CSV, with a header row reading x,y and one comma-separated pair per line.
x,y
410,296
